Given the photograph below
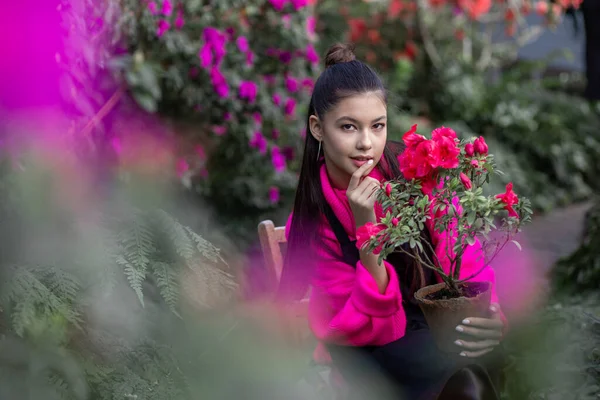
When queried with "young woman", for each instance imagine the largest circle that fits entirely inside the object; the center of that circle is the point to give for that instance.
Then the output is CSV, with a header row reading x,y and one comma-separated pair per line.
x,y
363,312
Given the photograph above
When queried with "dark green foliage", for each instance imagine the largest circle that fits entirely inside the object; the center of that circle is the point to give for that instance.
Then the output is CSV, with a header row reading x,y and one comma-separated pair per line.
x,y
557,354
580,271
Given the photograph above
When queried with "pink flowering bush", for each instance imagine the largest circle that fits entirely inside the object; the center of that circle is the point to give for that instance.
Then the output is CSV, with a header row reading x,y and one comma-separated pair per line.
x,y
241,74
442,188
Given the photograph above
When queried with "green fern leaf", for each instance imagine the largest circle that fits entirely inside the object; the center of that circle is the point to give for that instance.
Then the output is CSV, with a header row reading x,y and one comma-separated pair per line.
x,y
134,275
206,249
177,234
167,283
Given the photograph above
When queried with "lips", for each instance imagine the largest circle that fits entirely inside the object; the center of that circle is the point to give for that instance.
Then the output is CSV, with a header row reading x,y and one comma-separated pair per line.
x,y
359,161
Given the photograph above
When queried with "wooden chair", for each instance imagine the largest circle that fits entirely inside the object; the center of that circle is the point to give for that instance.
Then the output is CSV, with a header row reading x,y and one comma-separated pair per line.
x,y
273,245
294,322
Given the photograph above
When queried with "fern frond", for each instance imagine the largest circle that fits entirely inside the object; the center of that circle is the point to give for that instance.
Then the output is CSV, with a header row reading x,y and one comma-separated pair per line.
x,y
32,297
206,249
22,315
137,241
177,234
168,284
63,284
135,277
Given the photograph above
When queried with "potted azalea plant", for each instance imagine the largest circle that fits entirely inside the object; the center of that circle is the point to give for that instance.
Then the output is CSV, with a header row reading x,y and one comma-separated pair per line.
x,y
442,191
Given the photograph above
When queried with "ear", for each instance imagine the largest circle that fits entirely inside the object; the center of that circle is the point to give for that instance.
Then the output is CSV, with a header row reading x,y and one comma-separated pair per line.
x,y
315,127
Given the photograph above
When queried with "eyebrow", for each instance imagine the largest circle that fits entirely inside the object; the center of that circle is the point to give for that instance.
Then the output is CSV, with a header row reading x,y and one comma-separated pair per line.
x,y
356,122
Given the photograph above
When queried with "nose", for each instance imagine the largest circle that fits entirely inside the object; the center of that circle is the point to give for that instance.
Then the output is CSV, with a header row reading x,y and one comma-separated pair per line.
x,y
364,140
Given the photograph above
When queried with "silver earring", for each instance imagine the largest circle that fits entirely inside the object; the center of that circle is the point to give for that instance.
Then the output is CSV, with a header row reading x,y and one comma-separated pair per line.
x,y
319,151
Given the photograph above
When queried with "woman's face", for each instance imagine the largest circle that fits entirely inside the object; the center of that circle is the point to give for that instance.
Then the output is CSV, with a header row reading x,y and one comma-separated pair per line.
x,y
352,132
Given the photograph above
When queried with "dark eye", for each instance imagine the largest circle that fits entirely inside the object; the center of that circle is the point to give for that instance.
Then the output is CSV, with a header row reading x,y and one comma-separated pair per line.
x,y
347,127
379,126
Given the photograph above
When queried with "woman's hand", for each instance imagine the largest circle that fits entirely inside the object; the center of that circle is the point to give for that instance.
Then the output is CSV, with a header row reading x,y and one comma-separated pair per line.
x,y
361,195
480,335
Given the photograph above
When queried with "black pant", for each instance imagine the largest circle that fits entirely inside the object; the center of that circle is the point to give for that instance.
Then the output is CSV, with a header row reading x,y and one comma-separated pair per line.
x,y
411,367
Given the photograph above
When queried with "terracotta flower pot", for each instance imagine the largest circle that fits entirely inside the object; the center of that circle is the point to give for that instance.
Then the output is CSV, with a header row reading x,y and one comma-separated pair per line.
x,y
444,314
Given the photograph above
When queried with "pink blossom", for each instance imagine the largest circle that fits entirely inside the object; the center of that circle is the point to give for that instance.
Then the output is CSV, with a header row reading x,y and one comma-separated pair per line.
x,y
206,56
290,106
308,83
291,84
475,163
249,58
480,146
217,41
200,152
219,82
153,8
275,134
278,4
277,159
274,194
257,117
388,189
179,21
248,90
227,116
464,179
298,4
285,57
311,54
259,142
311,24
289,153
219,130
162,27
230,32
395,222
276,99
242,44
269,79
222,90
167,8
469,149
181,167
287,21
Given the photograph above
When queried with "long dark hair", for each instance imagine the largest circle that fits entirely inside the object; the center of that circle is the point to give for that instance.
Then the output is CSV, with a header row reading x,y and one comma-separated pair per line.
x,y
344,76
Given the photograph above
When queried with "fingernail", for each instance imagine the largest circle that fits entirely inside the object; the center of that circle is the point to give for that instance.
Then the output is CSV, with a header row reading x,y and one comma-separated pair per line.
x,y
462,353
370,162
466,321
460,328
458,343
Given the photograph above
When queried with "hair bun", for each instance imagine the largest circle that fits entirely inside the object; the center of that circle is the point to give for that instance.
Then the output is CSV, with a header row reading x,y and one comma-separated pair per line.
x,y
339,53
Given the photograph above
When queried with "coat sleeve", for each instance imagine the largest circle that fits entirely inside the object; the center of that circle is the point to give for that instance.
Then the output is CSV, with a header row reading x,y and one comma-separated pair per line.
x,y
346,305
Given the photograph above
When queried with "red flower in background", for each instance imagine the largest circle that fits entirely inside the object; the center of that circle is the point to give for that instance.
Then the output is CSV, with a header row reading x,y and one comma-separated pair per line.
x,y
475,8
395,8
358,27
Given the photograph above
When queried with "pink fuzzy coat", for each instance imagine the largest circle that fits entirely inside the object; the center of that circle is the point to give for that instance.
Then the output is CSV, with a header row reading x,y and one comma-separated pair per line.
x,y
345,305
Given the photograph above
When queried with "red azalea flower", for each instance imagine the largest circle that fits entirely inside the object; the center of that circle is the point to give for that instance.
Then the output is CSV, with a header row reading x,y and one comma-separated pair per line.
x,y
509,198
411,139
366,233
